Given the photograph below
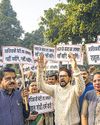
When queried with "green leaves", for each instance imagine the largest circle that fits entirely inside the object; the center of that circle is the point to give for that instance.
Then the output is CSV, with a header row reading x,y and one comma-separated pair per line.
x,y
72,21
10,29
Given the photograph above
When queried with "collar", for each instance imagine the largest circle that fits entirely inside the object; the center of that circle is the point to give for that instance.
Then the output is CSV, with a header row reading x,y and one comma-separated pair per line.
x,y
89,84
6,92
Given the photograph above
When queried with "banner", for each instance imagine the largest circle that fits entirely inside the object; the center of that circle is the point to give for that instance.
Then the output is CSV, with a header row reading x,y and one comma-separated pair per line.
x,y
14,54
93,53
63,51
41,103
49,52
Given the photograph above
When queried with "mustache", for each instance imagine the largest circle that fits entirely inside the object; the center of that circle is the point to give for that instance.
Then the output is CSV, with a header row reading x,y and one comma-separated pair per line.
x,y
11,83
84,77
62,81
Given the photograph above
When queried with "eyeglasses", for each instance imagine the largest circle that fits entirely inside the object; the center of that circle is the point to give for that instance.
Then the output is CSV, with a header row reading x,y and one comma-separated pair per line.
x,y
96,80
10,78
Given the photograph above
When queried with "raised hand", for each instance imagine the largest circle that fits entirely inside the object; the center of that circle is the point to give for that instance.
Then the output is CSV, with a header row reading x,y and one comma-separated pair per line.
x,y
41,61
72,60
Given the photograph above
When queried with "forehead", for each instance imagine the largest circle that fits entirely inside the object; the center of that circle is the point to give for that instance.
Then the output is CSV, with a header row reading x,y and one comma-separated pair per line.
x,y
9,74
96,76
33,84
51,77
63,73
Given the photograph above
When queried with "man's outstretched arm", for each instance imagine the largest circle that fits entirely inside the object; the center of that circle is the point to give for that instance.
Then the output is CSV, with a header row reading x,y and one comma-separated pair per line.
x,y
42,85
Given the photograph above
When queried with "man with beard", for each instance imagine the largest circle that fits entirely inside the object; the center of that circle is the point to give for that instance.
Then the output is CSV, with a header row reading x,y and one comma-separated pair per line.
x,y
65,95
12,106
91,104
88,85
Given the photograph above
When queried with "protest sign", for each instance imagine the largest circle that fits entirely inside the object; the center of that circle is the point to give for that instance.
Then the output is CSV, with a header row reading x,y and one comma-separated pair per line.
x,y
63,51
49,52
27,67
93,53
52,65
98,39
15,54
41,103
33,67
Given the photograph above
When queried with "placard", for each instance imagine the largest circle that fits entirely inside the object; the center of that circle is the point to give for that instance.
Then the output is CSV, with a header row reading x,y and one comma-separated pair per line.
x,y
41,103
93,53
49,52
15,54
63,51
52,65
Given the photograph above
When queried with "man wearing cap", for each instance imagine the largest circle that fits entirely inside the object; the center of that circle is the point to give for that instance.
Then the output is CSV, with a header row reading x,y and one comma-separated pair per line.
x,y
12,105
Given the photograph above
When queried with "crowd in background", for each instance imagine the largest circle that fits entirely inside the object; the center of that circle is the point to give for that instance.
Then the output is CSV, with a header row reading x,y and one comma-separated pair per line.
x,y
81,106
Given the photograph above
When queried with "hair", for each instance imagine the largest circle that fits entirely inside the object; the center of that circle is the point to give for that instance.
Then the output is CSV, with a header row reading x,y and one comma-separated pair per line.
x,y
53,74
98,72
63,68
84,68
8,69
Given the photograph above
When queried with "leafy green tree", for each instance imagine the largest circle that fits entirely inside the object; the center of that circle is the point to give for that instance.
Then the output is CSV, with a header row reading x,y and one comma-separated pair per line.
x,y
36,37
73,21
10,29
53,21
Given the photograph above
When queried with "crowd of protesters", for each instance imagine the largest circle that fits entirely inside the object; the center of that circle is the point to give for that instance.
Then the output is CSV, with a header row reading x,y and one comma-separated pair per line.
x,y
76,102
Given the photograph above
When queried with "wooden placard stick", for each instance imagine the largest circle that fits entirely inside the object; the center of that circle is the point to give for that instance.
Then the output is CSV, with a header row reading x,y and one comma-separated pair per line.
x,y
23,84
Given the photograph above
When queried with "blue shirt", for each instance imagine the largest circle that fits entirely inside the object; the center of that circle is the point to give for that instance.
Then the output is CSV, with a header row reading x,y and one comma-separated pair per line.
x,y
88,87
12,109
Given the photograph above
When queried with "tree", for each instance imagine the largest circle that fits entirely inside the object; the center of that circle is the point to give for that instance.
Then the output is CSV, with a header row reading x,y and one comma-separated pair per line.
x,y
36,37
10,29
73,21
53,21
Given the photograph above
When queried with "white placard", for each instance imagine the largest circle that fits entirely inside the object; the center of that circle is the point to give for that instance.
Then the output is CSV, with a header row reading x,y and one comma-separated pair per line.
x,y
27,67
41,103
15,54
63,51
98,39
49,52
51,65
93,53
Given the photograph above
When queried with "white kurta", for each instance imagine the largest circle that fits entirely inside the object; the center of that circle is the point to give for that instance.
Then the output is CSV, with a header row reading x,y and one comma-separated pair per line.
x,y
65,100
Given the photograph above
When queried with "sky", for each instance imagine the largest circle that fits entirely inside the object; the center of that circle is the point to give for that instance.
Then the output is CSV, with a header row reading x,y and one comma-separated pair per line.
x,y
30,11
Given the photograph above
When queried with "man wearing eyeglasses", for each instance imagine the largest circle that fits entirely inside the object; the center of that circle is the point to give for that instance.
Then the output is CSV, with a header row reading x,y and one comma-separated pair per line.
x,y
12,107
91,105
65,95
